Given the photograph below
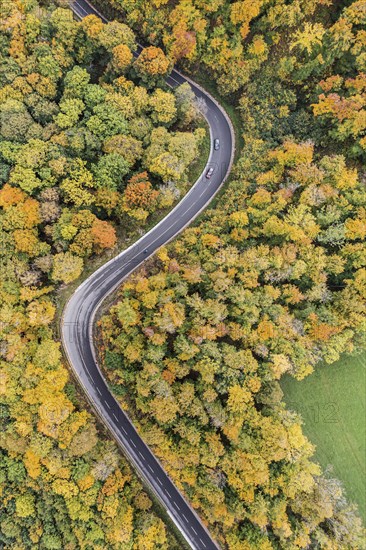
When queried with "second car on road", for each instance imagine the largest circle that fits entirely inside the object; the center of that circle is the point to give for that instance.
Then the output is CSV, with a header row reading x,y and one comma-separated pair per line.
x,y
209,173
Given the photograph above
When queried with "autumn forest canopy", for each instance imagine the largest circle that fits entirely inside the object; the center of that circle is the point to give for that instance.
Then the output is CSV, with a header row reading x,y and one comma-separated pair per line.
x,y
92,144
94,147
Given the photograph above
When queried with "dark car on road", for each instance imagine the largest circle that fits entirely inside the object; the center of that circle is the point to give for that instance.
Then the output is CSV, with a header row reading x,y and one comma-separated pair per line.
x,y
209,173
217,144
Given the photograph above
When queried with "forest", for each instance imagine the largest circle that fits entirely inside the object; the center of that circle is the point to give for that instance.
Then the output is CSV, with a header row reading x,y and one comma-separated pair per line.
x,y
92,144
270,279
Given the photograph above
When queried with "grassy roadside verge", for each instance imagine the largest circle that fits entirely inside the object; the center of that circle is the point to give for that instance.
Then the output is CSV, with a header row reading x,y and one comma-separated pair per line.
x,y
203,79
332,403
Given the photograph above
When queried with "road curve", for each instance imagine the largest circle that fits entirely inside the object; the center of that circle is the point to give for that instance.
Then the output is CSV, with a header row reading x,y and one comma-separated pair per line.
x,y
79,313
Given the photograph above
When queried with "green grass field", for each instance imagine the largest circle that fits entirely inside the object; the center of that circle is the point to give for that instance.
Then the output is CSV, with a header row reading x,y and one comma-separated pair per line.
x,y
332,403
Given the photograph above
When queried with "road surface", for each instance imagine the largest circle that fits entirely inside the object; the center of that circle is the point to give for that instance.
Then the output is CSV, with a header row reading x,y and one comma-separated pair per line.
x,y
79,313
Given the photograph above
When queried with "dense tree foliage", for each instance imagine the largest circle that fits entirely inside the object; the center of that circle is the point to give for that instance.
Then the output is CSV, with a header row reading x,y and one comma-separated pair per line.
x,y
78,159
197,343
316,50
272,280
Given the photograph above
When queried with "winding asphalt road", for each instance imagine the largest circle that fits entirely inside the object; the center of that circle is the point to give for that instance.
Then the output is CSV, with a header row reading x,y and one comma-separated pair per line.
x,y
79,313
